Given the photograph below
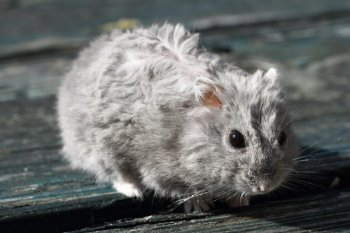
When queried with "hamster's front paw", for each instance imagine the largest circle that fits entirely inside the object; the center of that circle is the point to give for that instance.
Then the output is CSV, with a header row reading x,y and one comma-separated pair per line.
x,y
128,189
198,204
237,201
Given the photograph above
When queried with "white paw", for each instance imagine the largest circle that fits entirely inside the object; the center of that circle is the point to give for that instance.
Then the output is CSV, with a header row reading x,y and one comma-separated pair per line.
x,y
237,201
128,189
198,205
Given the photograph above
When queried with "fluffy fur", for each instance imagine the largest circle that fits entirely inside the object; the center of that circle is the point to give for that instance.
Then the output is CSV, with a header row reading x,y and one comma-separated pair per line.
x,y
131,112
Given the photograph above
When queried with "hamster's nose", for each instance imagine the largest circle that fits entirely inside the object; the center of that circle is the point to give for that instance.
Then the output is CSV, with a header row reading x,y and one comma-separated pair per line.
x,y
263,188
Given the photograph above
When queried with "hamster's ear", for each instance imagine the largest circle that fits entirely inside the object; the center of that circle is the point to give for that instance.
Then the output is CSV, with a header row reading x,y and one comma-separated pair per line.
x,y
271,74
206,92
271,78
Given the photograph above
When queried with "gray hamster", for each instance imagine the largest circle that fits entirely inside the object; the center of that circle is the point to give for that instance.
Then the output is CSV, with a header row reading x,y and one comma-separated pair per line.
x,y
150,109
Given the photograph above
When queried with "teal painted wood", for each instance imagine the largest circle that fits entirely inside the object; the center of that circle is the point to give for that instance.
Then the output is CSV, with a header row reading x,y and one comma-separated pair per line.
x,y
41,25
35,183
39,191
325,213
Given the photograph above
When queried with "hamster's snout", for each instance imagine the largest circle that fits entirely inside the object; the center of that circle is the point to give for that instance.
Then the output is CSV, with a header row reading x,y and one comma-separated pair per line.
x,y
263,187
255,185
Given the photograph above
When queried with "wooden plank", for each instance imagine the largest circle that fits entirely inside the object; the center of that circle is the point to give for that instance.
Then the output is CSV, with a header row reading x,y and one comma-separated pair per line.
x,y
314,50
35,183
327,213
32,78
38,191
32,31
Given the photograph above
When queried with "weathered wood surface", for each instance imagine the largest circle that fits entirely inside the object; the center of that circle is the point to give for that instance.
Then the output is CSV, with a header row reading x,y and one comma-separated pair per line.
x,y
32,25
309,45
316,213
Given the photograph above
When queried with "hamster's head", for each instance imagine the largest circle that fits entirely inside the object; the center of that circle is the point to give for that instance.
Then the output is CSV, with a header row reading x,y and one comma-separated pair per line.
x,y
239,138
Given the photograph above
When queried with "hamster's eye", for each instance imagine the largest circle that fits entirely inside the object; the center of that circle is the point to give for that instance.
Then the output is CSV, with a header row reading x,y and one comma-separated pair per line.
x,y
236,139
282,138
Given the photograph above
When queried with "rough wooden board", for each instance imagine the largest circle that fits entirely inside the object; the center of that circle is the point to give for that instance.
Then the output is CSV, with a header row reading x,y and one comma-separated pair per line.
x,y
32,78
325,81
49,191
327,213
312,53
310,47
41,25
45,186
36,184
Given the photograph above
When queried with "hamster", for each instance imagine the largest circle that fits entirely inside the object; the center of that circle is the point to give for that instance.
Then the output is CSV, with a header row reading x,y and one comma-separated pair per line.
x,y
150,109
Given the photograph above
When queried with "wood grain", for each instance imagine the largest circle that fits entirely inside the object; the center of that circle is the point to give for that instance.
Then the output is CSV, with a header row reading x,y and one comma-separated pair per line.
x,y
307,42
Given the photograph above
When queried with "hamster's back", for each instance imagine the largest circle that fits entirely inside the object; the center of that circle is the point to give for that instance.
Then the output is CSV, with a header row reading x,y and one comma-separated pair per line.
x,y
91,105
113,92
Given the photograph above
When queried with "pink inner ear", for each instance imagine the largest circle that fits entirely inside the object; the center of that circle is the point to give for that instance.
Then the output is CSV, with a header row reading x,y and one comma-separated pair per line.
x,y
211,100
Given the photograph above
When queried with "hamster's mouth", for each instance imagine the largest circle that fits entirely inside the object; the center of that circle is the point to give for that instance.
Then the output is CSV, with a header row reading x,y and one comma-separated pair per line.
x,y
260,189
257,186
258,193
